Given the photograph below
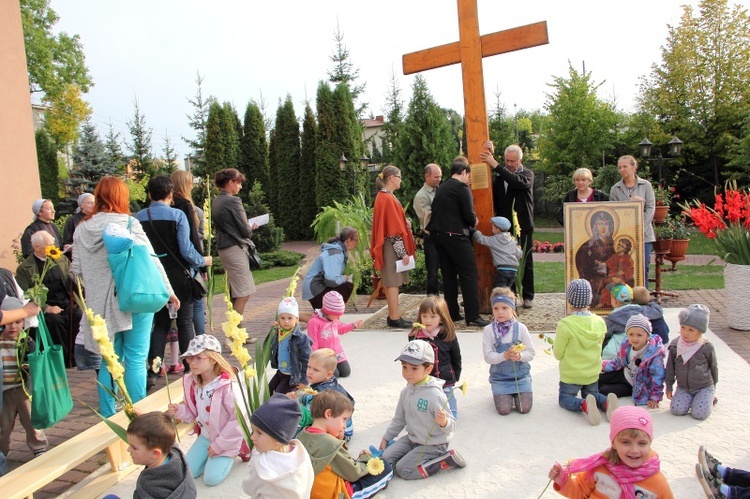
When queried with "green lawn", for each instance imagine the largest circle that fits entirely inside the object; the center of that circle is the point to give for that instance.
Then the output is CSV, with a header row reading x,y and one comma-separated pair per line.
x,y
549,277
699,245
259,276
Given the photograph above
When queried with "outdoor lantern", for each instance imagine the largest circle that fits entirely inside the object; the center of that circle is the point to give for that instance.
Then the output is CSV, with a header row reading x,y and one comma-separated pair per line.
x,y
675,146
342,162
364,162
645,147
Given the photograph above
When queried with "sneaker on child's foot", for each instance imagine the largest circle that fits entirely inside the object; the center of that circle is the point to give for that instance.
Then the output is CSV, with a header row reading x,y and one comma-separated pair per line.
x,y
611,405
591,410
708,462
39,452
711,485
450,459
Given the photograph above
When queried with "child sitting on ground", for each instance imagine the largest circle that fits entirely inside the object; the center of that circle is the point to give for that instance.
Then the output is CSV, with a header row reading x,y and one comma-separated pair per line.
x,y
638,369
423,451
151,438
320,375
280,466
692,363
439,332
290,350
210,392
16,404
337,474
578,340
719,481
621,296
505,252
627,469
508,348
653,311
325,330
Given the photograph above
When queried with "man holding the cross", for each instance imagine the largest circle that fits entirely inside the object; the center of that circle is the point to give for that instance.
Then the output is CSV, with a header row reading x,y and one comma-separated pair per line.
x,y
513,190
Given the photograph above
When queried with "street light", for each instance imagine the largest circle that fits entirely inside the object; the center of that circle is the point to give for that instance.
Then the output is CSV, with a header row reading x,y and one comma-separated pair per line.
x,y
364,162
675,150
343,162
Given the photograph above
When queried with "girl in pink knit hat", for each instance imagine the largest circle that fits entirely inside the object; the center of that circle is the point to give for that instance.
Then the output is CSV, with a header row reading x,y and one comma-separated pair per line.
x,y
628,469
325,330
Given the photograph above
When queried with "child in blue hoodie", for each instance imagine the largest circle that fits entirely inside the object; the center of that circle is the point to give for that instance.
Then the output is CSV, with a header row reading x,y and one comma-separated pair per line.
x,y
638,369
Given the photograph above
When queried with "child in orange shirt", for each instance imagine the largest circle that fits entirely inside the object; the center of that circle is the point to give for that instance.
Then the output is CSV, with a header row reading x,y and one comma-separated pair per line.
x,y
625,469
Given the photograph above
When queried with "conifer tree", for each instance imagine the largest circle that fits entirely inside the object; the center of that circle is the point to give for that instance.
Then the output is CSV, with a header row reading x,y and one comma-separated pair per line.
x,y
90,156
394,119
307,205
222,146
268,237
46,154
287,166
273,176
348,137
329,182
344,71
170,158
113,156
254,147
425,138
198,121
140,147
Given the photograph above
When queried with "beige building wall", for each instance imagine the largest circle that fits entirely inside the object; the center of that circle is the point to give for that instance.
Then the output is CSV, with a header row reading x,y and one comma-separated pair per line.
x,y
19,174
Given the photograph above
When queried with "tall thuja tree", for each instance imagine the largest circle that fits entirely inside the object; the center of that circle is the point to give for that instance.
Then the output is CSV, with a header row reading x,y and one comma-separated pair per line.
x,y
394,119
254,147
113,157
581,124
222,146
426,138
308,209
46,154
700,91
287,189
272,171
348,138
198,121
140,145
268,237
90,156
329,182
233,145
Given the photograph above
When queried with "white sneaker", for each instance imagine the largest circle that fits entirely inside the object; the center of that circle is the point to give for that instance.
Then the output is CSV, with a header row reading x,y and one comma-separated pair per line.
x,y
611,405
592,411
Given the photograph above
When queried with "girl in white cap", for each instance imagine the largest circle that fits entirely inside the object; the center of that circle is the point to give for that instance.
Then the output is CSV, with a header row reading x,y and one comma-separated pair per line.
x,y
209,401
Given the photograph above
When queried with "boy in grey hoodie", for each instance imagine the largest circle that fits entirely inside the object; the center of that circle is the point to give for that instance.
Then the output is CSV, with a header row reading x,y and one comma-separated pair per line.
x,y
505,252
423,451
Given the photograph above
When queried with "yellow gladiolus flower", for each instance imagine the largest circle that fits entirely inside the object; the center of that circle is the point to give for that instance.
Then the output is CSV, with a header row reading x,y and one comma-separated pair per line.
x,y
375,466
250,372
243,357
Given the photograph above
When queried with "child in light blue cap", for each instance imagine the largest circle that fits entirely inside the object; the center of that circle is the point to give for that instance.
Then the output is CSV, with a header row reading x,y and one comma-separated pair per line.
x,y
505,252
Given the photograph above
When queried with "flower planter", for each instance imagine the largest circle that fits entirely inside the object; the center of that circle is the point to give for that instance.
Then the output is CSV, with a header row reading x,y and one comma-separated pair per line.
x,y
679,248
737,288
660,213
662,246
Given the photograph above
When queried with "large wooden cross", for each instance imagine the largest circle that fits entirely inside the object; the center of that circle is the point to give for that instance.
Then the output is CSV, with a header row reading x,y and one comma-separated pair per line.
x,y
469,51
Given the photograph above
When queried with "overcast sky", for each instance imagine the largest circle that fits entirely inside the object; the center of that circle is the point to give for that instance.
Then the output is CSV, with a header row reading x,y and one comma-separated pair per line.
x,y
151,49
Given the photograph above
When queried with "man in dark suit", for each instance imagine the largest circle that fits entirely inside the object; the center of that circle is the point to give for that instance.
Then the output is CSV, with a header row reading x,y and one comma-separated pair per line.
x,y
513,190
452,218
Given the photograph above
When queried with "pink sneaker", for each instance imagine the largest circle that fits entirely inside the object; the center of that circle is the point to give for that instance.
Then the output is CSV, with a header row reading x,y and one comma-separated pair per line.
x,y
177,369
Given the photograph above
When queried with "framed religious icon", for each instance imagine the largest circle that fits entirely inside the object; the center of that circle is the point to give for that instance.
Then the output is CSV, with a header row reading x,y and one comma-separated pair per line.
x,y
604,245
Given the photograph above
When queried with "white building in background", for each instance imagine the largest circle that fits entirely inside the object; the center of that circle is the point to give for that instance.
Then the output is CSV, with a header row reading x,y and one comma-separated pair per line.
x,y
373,133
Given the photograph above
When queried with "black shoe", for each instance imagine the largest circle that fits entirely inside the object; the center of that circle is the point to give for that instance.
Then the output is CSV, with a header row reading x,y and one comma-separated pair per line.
x,y
399,323
150,383
458,318
478,322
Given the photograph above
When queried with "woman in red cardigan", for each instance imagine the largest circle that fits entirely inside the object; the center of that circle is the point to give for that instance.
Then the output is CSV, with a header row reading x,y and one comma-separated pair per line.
x,y
391,241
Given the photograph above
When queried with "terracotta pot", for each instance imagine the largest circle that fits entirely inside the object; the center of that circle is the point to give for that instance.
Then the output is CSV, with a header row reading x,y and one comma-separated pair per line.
x,y
679,247
662,245
660,213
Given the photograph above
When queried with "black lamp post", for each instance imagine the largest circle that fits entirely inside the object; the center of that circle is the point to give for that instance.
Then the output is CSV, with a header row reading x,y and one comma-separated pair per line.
x,y
364,162
675,150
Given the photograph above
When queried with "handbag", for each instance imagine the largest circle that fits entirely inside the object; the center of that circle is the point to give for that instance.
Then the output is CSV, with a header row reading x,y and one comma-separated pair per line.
x,y
139,285
253,256
196,283
50,392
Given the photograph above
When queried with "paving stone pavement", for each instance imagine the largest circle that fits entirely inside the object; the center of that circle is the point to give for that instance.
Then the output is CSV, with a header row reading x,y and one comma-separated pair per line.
x,y
259,315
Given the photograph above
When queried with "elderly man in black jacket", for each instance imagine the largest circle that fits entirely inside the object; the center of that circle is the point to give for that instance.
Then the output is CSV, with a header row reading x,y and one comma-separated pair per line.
x,y
452,218
513,189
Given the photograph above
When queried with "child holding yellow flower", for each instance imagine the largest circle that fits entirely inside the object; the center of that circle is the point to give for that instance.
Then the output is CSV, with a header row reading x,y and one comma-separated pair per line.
x,y
210,392
508,348
436,328
337,474
290,350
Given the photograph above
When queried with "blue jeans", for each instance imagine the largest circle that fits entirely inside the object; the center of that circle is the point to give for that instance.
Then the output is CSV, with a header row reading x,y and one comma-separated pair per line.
x,y
647,247
569,399
132,349
452,403
199,317
214,469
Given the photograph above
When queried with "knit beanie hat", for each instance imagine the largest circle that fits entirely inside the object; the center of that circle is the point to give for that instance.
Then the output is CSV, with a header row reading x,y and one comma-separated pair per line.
x,y
628,417
696,316
279,416
621,292
333,303
289,306
501,223
579,293
639,320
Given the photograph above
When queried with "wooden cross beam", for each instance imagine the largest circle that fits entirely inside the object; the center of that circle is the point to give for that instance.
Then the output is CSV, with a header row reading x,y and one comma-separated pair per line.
x,y
469,51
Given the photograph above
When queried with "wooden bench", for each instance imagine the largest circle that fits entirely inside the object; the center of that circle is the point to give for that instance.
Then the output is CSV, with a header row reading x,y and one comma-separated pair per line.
x,y
32,476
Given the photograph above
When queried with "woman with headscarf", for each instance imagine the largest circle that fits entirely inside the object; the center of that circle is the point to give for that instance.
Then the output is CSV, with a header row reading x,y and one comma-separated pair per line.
x,y
44,213
85,207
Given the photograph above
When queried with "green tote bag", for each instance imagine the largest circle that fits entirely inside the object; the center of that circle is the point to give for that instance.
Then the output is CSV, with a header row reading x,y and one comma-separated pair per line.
x,y
50,392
